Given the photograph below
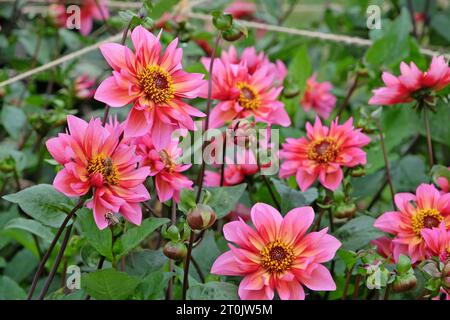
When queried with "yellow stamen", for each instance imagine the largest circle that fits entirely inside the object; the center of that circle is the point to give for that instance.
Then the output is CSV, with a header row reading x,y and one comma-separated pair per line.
x,y
157,84
248,97
104,165
276,257
323,151
425,218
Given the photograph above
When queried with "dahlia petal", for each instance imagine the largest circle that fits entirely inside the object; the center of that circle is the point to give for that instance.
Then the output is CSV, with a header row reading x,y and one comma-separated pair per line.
x,y
296,223
319,279
136,123
389,222
267,221
290,290
226,265
110,93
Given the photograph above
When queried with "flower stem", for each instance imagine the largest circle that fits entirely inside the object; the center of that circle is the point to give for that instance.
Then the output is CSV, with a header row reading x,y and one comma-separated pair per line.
x,y
173,220
386,163
272,194
41,265
222,169
52,274
208,108
186,265
350,92
429,142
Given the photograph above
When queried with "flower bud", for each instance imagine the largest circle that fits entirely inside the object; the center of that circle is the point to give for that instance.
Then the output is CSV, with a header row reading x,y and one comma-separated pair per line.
x,y
404,283
201,217
345,210
175,250
232,34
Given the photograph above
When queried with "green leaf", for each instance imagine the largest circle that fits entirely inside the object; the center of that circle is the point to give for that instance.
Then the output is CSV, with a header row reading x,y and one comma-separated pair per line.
x,y
2,262
403,264
101,240
136,235
153,286
143,262
31,226
301,67
349,257
213,291
393,46
441,24
408,173
440,171
10,290
206,252
294,198
14,120
21,266
160,7
357,233
222,199
109,284
43,203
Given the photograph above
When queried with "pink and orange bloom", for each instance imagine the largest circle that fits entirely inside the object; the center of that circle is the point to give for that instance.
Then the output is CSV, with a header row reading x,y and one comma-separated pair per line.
x,y
95,159
278,256
318,97
420,225
154,82
84,87
164,167
412,80
322,154
245,87
90,10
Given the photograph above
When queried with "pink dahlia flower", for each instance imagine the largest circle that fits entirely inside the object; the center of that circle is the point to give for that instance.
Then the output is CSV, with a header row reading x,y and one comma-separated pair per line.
x,y
437,241
401,89
243,94
322,153
278,255
253,61
416,215
318,97
94,158
84,87
154,82
90,10
164,167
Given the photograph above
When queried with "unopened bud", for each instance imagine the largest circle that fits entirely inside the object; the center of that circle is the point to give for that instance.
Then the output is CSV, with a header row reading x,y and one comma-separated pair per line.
x,y
201,217
175,250
404,283
232,34
359,171
345,210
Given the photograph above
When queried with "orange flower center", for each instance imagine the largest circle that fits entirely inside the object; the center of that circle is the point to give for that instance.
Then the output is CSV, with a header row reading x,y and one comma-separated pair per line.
x,y
157,84
276,257
248,97
169,164
426,218
104,165
323,151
